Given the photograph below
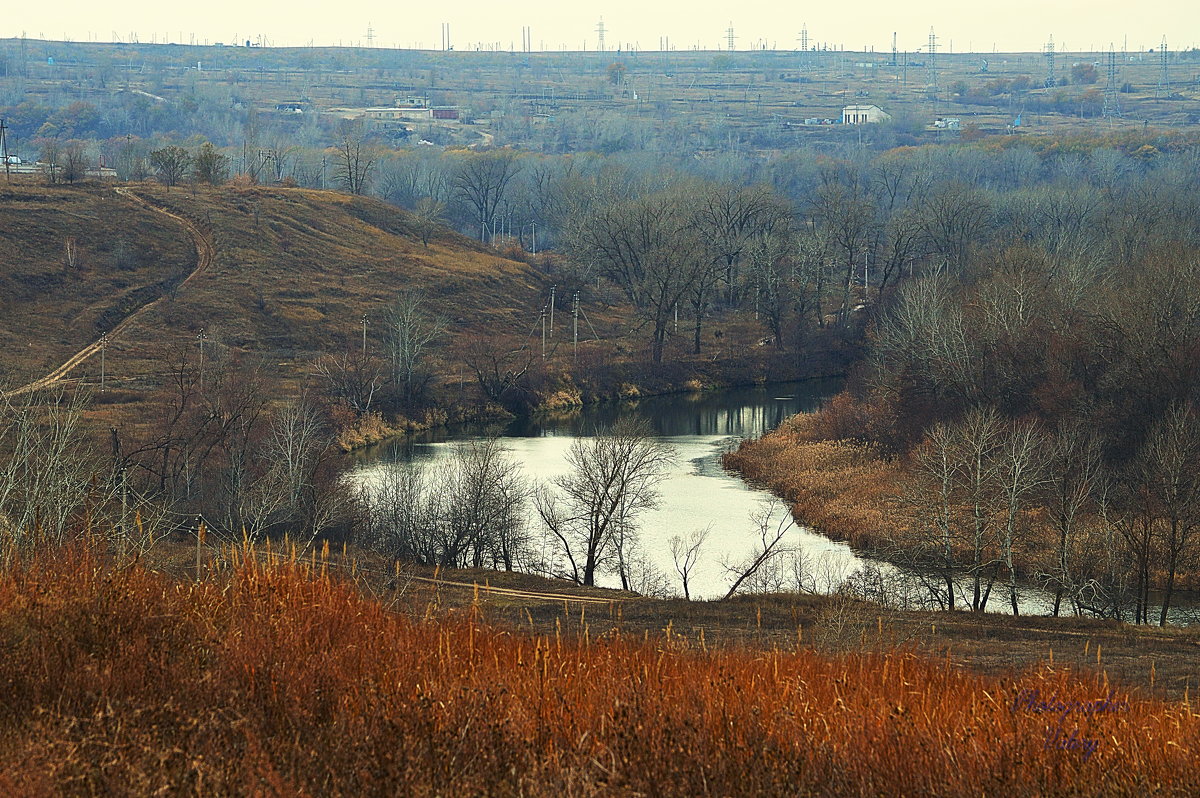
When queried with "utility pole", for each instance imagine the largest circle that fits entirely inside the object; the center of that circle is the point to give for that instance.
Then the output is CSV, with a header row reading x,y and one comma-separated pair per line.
x,y
553,288
201,337
103,346
575,324
1164,80
932,57
543,321
1112,102
1048,54
4,149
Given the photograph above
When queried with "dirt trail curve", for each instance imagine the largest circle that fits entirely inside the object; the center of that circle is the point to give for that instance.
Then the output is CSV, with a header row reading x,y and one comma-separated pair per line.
x,y
204,258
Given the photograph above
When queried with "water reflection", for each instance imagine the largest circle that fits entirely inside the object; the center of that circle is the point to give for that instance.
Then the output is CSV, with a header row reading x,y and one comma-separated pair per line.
x,y
698,492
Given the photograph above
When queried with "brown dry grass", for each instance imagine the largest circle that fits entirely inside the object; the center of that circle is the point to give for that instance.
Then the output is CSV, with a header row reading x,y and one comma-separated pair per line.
x,y
125,257
276,681
843,488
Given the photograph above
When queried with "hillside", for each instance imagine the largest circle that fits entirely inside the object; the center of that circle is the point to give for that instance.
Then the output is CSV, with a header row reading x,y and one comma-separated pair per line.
x,y
292,273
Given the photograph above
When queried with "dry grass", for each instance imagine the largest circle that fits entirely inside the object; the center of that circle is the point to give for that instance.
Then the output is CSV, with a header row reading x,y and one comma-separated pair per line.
x,y
276,681
843,488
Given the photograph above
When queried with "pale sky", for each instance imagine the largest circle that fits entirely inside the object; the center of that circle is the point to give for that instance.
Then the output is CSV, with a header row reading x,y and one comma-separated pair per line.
x,y
1023,25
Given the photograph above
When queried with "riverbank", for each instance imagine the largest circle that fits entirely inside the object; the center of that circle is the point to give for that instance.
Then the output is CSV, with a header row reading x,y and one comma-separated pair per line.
x,y
846,490
613,381
851,491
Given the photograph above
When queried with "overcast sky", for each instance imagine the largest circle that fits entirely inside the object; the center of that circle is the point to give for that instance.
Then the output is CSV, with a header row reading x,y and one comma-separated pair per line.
x,y
1023,25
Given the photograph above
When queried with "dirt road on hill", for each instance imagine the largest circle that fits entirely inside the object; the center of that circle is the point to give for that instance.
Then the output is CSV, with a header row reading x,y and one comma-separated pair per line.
x,y
205,253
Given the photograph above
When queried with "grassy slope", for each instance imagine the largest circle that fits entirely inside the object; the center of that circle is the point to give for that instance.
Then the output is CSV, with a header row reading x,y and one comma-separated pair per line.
x,y
50,311
122,681
294,272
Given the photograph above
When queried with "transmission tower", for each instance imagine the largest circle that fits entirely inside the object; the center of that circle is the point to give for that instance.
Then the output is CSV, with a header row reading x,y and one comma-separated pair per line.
x,y
600,35
1164,82
1049,54
1112,100
933,74
370,35
729,37
804,38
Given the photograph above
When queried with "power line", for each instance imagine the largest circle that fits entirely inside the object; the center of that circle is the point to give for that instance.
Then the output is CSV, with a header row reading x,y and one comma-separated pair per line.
x,y
1112,100
1048,54
933,73
1164,81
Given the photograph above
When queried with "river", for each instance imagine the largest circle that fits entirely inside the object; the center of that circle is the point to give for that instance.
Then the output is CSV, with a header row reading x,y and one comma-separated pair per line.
x,y
697,493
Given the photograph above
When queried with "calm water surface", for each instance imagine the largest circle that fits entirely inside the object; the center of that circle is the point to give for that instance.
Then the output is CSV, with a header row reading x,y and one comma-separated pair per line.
x,y
697,493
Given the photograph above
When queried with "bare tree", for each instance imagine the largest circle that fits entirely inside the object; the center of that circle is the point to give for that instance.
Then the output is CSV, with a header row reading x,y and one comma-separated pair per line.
x,y
466,511
50,156
1073,486
1168,475
648,246
955,220
411,333
47,471
481,183
170,164
428,216
847,221
354,162
776,279
353,376
592,511
685,551
500,365
771,533
487,506
299,447
74,161
1020,473
730,217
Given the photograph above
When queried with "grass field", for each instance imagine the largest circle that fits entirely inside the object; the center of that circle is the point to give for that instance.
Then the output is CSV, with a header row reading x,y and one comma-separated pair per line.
x,y
278,680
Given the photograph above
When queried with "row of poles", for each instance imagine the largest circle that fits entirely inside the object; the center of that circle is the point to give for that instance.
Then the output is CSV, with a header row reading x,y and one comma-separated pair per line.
x,y
548,312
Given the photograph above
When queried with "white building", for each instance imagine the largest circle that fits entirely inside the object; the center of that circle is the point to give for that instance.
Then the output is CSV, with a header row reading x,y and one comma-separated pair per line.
x,y
864,115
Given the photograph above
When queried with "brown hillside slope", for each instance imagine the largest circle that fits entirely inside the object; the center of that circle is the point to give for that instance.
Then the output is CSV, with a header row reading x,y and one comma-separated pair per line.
x,y
53,304
293,273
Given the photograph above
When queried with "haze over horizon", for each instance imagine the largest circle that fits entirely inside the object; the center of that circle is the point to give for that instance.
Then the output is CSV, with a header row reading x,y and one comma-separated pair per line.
x,y
1023,26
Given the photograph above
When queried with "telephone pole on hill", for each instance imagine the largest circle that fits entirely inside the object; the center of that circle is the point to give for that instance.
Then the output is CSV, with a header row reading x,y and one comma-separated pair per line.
x,y
4,149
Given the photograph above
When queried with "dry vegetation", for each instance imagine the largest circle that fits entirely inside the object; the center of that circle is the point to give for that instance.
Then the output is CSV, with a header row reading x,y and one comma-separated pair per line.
x,y
275,680
844,488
